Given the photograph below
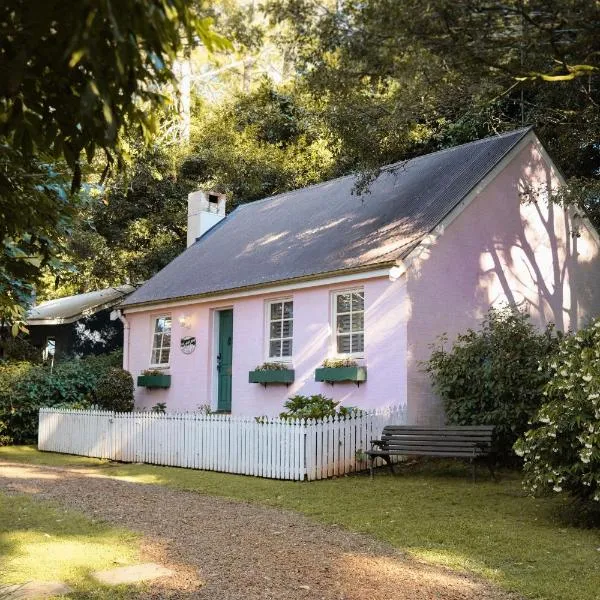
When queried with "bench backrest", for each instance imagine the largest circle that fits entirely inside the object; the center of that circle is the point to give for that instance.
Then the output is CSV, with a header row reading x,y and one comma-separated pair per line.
x,y
457,440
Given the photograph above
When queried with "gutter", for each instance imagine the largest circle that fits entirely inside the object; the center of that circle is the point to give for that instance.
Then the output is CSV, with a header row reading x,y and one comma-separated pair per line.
x,y
126,331
376,270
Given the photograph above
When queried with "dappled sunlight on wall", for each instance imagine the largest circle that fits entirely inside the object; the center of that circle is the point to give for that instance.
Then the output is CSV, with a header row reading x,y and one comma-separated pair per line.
x,y
509,246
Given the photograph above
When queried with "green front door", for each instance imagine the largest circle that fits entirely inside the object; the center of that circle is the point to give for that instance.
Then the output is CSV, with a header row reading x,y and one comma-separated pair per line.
x,y
224,360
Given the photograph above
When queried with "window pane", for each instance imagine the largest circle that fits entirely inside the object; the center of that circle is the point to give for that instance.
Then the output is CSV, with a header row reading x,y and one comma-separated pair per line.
x,y
288,328
157,341
288,309
166,340
275,348
358,321
286,348
275,330
164,357
343,324
155,357
343,303
167,324
343,344
358,342
358,301
276,311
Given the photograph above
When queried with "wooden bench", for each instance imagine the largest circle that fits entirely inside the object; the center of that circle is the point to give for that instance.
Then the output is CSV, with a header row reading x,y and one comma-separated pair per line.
x,y
468,442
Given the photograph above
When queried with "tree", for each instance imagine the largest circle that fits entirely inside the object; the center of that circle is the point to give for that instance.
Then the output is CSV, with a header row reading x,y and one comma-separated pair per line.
x,y
398,79
72,81
249,146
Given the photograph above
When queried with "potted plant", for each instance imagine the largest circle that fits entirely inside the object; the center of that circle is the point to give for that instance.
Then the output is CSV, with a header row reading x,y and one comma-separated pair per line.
x,y
153,378
339,370
272,372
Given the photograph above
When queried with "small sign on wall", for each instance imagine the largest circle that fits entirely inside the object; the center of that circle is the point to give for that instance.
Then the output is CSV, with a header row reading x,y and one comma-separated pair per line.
x,y
188,344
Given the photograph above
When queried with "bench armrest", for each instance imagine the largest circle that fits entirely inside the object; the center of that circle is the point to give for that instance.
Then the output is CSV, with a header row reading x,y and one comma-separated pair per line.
x,y
378,443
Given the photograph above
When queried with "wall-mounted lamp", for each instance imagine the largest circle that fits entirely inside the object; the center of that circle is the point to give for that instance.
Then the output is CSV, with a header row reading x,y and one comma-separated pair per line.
x,y
185,321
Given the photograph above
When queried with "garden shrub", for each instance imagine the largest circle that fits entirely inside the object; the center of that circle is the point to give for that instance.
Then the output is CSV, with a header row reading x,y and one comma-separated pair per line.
x,y
493,376
315,407
19,349
114,390
26,387
561,451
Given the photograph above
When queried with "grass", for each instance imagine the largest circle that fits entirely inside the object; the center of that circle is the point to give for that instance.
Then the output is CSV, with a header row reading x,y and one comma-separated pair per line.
x,y
42,542
432,512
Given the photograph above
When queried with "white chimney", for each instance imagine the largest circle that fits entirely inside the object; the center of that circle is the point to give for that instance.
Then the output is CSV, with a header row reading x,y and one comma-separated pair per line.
x,y
205,210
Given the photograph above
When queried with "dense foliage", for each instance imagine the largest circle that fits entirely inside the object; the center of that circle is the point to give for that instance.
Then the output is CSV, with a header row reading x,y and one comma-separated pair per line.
x,y
314,407
249,146
561,451
493,376
396,79
114,390
26,387
72,79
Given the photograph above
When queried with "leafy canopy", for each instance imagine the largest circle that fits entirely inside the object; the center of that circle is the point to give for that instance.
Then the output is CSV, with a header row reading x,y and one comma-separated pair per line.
x,y
71,82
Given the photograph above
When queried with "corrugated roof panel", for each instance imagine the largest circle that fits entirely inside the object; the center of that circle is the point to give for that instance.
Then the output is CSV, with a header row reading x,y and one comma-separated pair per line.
x,y
70,308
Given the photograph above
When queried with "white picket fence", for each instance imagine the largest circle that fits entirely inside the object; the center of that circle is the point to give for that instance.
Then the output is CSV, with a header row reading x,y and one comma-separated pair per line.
x,y
267,447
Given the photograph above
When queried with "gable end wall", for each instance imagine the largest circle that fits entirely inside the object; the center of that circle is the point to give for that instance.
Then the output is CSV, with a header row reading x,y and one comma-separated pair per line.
x,y
498,250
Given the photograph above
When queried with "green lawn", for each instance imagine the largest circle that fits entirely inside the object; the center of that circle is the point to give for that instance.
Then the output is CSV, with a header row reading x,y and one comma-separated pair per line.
x,y
433,512
41,542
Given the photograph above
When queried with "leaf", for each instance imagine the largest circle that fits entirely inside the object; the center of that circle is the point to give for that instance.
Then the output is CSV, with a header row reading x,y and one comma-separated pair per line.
x,y
76,57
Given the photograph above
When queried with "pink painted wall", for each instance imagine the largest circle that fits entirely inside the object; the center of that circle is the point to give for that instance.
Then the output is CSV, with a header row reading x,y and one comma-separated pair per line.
x,y
193,382
497,250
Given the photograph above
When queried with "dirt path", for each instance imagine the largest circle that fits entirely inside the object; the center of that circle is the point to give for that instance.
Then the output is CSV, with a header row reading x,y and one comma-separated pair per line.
x,y
224,550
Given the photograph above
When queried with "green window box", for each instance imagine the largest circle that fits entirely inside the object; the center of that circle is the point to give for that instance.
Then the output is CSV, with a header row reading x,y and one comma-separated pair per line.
x,y
154,381
356,375
275,376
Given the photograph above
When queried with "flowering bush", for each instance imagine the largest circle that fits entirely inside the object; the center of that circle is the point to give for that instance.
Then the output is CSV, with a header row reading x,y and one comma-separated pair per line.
x,y
562,450
337,363
491,376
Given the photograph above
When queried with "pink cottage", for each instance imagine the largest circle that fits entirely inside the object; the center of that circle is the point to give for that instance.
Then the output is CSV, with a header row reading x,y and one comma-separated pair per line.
x,y
322,273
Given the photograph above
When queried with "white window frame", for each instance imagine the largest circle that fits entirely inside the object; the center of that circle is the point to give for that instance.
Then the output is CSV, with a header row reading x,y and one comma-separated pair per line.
x,y
267,344
153,320
334,333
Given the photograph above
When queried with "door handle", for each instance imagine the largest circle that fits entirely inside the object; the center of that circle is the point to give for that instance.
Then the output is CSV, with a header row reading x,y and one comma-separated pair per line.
x,y
219,362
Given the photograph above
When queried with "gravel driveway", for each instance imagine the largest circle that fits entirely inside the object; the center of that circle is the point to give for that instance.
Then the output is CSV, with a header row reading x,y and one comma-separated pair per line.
x,y
222,550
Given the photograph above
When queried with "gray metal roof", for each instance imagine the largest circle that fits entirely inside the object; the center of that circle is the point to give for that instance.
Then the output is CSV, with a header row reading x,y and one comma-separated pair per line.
x,y
326,228
72,308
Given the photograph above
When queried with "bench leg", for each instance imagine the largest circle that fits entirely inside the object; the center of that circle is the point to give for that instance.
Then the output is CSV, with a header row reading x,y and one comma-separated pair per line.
x,y
388,460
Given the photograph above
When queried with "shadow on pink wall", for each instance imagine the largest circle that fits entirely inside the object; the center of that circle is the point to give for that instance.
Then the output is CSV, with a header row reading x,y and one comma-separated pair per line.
x,y
501,249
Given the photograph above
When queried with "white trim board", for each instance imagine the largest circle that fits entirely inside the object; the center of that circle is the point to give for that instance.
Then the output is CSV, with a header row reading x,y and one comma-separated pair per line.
x,y
284,288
